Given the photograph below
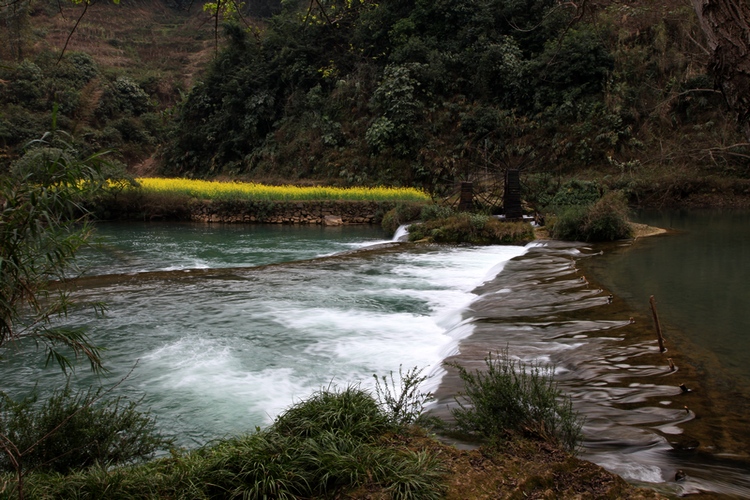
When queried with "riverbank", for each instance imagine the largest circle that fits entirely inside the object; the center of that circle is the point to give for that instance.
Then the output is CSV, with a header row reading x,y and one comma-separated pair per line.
x,y
137,205
639,231
523,468
528,468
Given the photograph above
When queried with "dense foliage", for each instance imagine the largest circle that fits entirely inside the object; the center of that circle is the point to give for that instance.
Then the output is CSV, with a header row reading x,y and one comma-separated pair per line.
x,y
98,111
425,93
394,93
408,92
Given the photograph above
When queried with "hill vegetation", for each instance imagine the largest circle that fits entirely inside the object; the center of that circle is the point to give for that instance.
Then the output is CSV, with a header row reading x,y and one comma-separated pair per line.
x,y
413,93
429,93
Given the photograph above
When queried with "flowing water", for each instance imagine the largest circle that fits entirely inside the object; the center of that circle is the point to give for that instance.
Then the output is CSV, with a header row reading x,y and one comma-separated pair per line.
x,y
224,340
220,328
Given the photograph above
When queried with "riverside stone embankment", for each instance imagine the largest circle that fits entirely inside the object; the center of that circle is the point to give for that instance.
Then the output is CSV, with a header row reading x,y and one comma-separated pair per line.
x,y
326,212
300,212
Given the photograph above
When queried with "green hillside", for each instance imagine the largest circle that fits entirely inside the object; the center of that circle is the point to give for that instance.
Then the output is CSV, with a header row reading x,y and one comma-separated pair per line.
x,y
428,93
422,93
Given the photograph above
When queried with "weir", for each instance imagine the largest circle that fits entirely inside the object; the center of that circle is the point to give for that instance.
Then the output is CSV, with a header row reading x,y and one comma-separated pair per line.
x,y
636,422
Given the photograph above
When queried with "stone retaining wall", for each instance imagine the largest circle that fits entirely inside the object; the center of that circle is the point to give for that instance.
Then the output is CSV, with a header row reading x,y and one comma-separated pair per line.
x,y
176,208
307,212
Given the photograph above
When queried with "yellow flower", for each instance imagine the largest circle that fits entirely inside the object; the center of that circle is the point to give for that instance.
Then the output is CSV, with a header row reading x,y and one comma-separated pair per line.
x,y
214,190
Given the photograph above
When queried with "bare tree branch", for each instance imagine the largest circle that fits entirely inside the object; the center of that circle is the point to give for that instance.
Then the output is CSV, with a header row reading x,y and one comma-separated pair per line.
x,y
70,35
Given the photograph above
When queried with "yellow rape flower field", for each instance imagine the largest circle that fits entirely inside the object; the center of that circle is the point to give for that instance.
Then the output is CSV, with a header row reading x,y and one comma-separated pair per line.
x,y
215,190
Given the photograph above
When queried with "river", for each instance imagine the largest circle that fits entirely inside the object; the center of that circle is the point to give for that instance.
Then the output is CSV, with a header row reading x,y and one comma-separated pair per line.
x,y
220,328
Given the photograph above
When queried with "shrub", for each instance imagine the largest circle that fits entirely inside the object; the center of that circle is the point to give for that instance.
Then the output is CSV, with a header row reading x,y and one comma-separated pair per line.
x,y
26,86
123,96
576,192
401,214
434,211
607,219
27,167
84,68
403,404
475,229
512,397
351,411
604,220
75,430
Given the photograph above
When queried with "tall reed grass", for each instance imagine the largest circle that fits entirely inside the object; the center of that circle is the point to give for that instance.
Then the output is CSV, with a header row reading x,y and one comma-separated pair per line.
x,y
214,190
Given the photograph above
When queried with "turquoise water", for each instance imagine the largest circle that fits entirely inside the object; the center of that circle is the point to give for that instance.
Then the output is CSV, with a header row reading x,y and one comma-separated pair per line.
x,y
221,328
140,247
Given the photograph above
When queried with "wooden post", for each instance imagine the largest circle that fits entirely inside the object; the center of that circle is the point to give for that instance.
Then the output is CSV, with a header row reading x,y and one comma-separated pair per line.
x,y
512,197
466,201
657,324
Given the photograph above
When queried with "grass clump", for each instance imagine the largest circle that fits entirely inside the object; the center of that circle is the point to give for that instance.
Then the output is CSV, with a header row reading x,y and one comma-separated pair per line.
x,y
475,229
353,412
333,443
606,219
73,430
511,397
402,213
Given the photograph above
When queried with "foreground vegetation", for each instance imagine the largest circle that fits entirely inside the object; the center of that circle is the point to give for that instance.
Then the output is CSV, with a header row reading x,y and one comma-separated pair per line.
x,y
354,443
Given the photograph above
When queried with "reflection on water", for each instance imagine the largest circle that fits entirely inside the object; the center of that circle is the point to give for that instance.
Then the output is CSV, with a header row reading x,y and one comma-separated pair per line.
x,y
699,276
696,275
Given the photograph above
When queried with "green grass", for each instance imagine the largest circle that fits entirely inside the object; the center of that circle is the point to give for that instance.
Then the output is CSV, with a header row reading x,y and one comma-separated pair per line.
x,y
336,441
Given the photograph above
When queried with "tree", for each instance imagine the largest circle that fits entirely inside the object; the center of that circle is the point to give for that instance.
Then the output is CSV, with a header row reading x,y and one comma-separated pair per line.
x,y
43,223
14,24
726,24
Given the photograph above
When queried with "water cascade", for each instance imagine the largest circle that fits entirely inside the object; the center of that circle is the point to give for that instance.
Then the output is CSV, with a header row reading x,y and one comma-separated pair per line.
x,y
402,233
